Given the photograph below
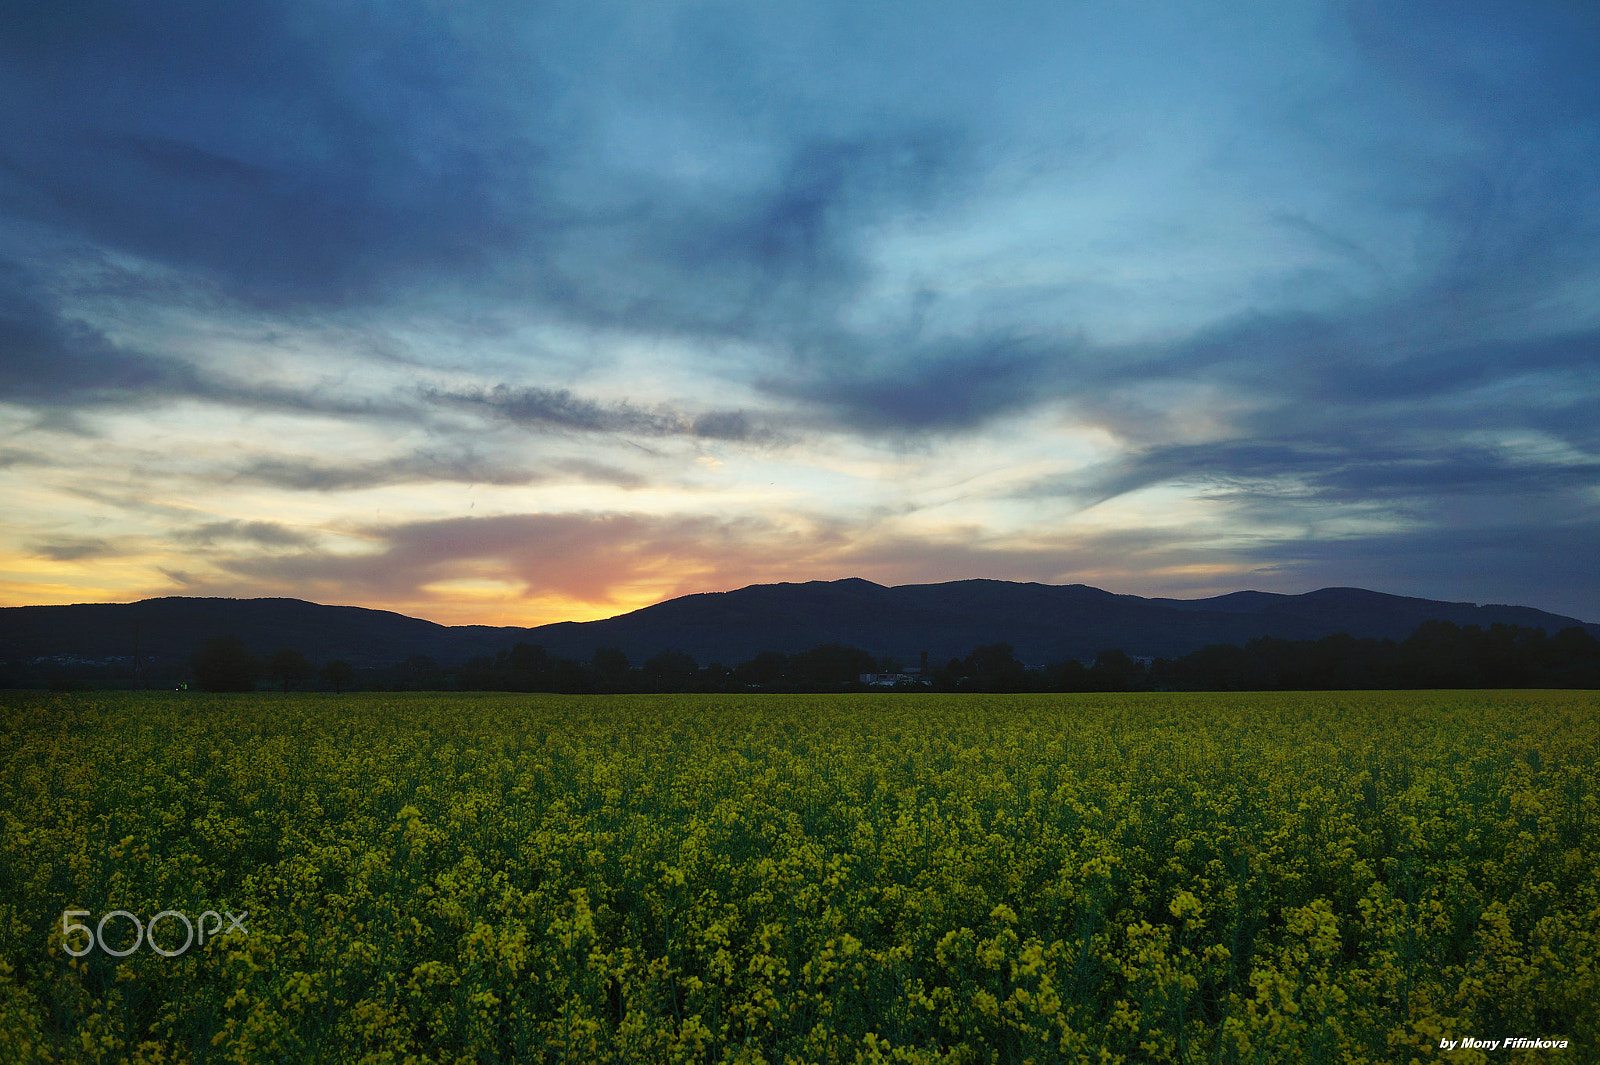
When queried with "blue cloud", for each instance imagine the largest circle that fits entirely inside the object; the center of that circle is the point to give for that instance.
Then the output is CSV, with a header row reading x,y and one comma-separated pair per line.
x,y
293,152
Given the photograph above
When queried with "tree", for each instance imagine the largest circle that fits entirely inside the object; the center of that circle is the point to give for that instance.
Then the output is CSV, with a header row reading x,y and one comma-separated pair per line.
x,y
224,664
671,671
1442,654
769,669
610,668
830,666
1114,671
420,673
994,668
338,673
288,666
1573,660
526,667
1070,675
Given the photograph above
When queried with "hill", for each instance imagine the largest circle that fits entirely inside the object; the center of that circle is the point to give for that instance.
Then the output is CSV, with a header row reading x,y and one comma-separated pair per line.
x,y
1042,622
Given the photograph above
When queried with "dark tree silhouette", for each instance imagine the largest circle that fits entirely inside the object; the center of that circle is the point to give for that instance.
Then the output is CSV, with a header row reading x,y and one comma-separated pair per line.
x,y
995,668
338,673
1114,671
287,666
769,669
671,671
830,666
224,664
611,669
1068,676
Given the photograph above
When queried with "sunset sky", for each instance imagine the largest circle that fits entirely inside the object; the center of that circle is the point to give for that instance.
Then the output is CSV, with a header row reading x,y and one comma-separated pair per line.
x,y
516,313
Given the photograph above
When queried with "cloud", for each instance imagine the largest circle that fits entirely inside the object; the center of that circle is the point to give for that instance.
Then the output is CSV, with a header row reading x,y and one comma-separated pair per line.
x,y
424,467
561,409
343,156
607,558
15,456
589,562
725,425
1314,470
73,549
592,558
56,362
264,533
1508,222
1538,73
47,357
535,568
1124,559
182,578
290,158
957,386
1354,276
1550,564
782,259
541,408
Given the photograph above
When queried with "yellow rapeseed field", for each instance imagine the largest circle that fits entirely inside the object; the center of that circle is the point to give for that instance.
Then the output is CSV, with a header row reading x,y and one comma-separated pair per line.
x,y
1200,878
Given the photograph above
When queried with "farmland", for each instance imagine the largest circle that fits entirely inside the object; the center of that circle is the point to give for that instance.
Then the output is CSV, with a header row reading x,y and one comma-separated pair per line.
x,y
1215,877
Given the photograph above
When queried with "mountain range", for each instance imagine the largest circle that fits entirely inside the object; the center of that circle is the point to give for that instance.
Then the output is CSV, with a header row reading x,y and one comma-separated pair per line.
x,y
1042,622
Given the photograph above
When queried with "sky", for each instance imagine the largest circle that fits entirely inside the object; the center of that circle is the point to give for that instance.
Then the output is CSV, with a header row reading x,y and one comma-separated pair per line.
x,y
514,313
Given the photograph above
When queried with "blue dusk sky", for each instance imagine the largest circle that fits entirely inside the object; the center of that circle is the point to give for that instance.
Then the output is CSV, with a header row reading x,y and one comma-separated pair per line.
x,y
516,313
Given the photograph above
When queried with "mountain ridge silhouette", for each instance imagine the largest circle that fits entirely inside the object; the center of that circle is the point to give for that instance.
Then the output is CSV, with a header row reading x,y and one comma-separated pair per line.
x,y
1043,622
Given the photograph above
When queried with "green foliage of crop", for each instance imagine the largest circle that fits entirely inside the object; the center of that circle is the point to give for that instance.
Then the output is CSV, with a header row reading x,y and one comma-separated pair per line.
x,y
1193,878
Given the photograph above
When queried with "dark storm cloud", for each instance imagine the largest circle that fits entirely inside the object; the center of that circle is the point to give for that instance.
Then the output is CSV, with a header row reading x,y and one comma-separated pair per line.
x,y
306,157
293,152
297,153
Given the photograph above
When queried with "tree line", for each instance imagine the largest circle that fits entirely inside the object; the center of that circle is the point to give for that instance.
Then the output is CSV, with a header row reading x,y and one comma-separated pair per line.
x,y
225,664
1438,654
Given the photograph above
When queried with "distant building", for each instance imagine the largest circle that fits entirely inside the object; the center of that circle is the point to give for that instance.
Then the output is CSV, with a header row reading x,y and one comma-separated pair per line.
x,y
918,674
889,680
